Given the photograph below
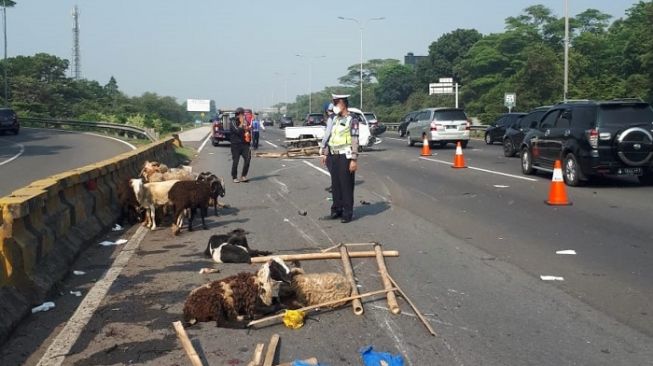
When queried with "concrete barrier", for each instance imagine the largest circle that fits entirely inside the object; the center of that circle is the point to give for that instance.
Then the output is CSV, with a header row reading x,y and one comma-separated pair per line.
x,y
44,226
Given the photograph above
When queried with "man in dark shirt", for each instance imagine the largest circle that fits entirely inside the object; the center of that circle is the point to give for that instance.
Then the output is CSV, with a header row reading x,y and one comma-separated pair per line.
x,y
239,145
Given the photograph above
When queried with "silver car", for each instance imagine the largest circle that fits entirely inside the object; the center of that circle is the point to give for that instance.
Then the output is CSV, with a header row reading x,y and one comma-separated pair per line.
x,y
439,126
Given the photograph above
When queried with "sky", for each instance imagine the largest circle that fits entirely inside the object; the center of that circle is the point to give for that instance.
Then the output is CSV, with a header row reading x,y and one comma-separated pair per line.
x,y
243,53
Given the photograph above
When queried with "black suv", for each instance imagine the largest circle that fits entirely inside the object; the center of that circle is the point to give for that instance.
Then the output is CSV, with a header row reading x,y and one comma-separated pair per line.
x,y
408,119
496,130
285,121
593,138
314,119
9,121
515,133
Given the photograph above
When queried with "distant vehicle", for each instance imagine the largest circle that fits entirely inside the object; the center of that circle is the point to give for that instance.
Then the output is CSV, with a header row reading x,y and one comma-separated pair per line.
x,y
285,121
593,138
9,121
365,137
376,127
439,125
267,121
220,127
515,133
314,119
403,126
497,129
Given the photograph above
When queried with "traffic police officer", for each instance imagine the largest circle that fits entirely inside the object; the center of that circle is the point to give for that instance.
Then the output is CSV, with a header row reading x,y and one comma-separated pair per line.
x,y
343,154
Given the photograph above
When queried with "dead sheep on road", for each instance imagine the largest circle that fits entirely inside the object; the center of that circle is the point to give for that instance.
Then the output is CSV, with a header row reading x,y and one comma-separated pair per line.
x,y
306,289
234,301
232,248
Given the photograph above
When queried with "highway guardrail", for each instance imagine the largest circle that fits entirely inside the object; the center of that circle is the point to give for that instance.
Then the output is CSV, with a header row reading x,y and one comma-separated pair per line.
x,y
90,126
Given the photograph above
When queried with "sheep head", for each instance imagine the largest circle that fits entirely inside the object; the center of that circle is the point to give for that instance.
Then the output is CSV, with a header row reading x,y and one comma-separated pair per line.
x,y
137,186
269,277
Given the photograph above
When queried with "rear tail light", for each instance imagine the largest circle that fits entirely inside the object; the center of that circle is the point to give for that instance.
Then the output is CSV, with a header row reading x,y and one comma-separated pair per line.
x,y
436,126
593,137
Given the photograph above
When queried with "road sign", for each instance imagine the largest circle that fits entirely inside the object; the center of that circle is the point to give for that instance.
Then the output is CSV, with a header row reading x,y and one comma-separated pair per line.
x,y
198,105
510,100
433,89
446,80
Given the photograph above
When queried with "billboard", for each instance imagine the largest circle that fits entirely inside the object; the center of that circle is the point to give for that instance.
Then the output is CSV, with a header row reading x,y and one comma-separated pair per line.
x,y
198,105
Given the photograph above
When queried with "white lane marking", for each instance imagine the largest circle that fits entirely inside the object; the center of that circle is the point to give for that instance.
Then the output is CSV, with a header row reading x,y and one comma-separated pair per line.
x,y
483,170
501,186
206,140
284,186
566,252
63,343
21,150
551,278
90,134
317,167
271,144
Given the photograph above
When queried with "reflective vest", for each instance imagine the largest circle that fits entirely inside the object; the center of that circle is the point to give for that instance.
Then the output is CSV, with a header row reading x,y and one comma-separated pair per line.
x,y
340,133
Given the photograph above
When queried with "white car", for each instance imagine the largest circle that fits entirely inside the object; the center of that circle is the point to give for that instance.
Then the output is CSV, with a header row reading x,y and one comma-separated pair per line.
x,y
365,137
439,126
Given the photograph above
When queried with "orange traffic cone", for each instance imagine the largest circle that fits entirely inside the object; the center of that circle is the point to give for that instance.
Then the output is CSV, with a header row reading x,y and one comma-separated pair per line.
x,y
426,147
459,158
558,192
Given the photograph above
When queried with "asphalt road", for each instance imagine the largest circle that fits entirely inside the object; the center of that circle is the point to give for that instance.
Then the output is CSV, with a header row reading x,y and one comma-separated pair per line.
x,y
35,154
473,245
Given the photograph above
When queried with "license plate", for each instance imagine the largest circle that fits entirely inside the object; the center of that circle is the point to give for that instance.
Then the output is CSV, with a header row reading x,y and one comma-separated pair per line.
x,y
631,171
452,127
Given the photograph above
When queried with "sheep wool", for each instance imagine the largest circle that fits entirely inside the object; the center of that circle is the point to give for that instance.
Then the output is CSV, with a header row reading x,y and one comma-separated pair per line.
x,y
318,288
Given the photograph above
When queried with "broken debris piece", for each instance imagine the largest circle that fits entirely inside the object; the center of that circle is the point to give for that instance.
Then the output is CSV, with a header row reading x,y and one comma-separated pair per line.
x,y
43,307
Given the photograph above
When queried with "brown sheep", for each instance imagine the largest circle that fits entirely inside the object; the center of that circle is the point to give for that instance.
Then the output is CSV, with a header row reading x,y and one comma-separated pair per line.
x,y
189,195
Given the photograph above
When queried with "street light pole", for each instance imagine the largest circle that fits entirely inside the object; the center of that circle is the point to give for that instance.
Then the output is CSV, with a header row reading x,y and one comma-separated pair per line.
x,y
566,73
4,25
310,78
361,27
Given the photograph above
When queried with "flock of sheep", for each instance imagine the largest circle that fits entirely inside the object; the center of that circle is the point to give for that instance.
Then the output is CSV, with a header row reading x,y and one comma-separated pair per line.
x,y
235,300
161,187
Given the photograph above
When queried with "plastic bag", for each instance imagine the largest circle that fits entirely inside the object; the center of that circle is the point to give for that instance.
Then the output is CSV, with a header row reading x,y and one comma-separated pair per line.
x,y
371,358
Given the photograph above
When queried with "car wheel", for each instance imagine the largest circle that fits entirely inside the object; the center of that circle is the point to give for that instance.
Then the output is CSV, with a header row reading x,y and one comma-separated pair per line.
x,y
464,143
488,139
571,171
410,141
526,162
402,133
646,179
508,148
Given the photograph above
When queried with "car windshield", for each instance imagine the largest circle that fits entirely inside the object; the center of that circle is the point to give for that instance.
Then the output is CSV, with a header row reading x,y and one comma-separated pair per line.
x,y
370,116
625,114
450,115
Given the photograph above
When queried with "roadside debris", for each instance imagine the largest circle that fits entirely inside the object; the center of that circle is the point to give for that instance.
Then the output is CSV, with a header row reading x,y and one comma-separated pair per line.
x,y
363,202
372,358
566,252
185,342
117,228
43,307
302,213
551,278
258,360
79,273
108,243
501,186
209,270
76,293
293,319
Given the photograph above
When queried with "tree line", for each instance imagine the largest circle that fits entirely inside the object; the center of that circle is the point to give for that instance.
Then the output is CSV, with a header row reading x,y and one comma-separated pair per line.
x,y
608,59
39,87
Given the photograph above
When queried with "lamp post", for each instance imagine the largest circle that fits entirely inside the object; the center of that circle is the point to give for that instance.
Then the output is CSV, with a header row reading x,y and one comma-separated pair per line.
x,y
566,72
361,27
310,78
4,25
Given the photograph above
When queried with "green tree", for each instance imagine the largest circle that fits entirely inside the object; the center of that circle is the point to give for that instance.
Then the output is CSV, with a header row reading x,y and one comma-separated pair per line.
x,y
395,84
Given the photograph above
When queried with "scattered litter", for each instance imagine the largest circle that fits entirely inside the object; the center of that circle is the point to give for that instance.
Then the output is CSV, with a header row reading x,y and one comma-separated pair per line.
x,y
117,228
79,273
363,202
211,153
209,270
372,358
329,199
566,252
108,243
302,213
500,186
76,293
43,307
293,319
286,220
115,309
551,278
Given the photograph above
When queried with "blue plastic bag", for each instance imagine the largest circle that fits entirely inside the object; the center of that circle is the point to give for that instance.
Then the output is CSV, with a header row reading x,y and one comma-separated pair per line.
x,y
371,358
301,363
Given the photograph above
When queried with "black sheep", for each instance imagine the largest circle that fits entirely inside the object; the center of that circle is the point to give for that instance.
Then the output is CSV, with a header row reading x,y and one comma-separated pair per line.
x,y
191,195
217,188
232,248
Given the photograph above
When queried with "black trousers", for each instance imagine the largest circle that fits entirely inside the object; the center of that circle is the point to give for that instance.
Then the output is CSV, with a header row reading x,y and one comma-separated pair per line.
x,y
255,136
238,150
342,185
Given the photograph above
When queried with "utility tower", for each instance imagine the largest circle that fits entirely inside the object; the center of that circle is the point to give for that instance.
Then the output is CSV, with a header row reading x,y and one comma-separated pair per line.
x,y
76,69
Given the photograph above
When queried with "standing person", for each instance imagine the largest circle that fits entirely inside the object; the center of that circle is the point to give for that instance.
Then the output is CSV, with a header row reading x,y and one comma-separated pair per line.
x,y
239,129
343,155
324,147
257,126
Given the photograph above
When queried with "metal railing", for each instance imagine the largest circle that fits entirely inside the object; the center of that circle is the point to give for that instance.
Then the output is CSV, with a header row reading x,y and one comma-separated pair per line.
x,y
125,130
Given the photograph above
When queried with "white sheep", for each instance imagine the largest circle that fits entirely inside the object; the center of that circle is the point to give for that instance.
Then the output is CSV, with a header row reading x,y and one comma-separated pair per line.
x,y
150,195
317,288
